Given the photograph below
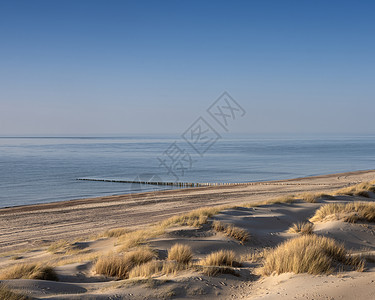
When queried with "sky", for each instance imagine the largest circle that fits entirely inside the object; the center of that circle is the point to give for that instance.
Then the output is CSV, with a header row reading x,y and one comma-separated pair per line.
x,y
149,67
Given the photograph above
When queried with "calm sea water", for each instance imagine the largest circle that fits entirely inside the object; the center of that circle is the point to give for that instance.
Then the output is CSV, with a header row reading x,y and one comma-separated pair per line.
x,y
39,170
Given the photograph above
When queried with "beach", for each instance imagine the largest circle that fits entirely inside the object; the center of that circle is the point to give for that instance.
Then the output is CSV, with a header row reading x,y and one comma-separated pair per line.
x,y
73,238
35,225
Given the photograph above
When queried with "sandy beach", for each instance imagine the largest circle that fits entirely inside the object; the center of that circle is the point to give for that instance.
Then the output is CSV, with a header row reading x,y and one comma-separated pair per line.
x,y
74,237
35,225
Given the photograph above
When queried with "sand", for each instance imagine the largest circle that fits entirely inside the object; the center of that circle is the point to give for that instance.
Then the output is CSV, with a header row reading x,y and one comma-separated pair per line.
x,y
27,230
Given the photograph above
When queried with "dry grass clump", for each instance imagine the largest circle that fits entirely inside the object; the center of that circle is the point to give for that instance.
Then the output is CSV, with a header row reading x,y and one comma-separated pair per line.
x,y
282,199
135,238
232,231
302,228
314,197
195,218
7,294
120,265
254,257
349,212
172,268
146,270
80,257
215,271
307,254
60,246
219,258
29,271
180,253
66,247
309,197
158,268
115,232
361,189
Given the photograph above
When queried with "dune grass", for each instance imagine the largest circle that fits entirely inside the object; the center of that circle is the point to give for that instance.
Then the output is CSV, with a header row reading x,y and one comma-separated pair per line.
x,y
29,271
349,212
307,254
158,268
180,253
360,189
7,294
115,232
59,246
281,199
254,257
146,270
65,247
138,237
119,266
314,197
302,228
232,231
219,258
215,271
194,218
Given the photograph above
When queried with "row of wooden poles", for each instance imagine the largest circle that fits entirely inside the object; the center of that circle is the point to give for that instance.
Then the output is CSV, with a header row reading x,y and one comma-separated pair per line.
x,y
183,184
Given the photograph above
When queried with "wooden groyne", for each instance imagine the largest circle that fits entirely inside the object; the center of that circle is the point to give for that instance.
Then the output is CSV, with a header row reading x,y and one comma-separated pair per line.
x,y
182,184
198,184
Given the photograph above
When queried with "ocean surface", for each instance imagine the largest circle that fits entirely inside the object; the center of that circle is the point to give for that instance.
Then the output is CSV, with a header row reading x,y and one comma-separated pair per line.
x,y
40,170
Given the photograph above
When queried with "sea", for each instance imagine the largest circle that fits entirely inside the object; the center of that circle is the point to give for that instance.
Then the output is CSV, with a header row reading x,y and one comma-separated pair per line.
x,y
46,169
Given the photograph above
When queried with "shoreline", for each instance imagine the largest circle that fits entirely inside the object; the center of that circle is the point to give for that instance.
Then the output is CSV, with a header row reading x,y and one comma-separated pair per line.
x,y
80,201
34,225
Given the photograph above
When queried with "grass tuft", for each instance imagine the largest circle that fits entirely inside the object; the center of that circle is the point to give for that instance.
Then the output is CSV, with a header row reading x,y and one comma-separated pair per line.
x,y
302,228
29,271
315,197
120,265
282,199
7,294
135,238
219,258
59,246
195,218
253,257
349,212
307,254
158,268
115,232
360,189
215,271
180,253
237,233
146,270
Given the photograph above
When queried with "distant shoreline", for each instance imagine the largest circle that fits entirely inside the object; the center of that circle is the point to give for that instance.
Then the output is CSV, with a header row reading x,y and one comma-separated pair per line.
x,y
35,225
81,201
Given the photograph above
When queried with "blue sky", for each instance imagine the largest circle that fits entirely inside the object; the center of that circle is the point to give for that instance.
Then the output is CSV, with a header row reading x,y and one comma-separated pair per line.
x,y
124,67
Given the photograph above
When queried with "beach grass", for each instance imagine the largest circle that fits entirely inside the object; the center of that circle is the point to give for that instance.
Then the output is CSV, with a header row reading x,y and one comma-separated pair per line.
x,y
180,253
8,294
219,258
232,231
349,212
360,189
115,265
302,228
308,254
29,271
